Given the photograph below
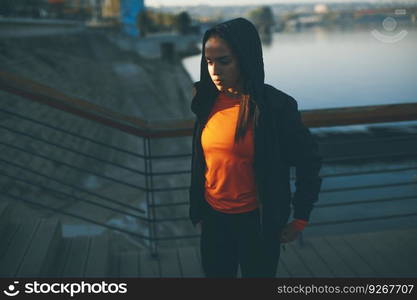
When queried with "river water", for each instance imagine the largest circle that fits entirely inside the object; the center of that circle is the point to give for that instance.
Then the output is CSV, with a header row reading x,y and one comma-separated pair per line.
x,y
326,68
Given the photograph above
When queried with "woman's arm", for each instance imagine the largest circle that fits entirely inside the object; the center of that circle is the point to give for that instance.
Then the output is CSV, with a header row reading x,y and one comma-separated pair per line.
x,y
301,150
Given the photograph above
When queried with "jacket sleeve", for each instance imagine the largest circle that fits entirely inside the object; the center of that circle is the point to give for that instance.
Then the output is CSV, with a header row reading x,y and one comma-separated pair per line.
x,y
194,209
301,150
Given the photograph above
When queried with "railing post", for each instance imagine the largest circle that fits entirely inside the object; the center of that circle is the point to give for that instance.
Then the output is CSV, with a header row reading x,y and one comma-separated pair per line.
x,y
153,236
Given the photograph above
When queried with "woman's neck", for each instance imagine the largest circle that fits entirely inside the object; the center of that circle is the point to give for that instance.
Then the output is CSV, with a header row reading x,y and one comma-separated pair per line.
x,y
232,93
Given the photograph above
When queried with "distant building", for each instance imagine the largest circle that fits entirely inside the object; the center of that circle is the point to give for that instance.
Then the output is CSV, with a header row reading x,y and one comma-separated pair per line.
x,y
129,11
110,9
321,9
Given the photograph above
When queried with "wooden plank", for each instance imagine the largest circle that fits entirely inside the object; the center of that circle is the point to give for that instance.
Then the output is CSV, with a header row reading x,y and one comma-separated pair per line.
x,y
190,265
282,271
331,258
47,236
313,261
55,267
4,208
390,262
129,264
407,238
6,235
400,262
149,266
405,242
293,263
359,266
197,250
77,257
97,264
21,241
169,263
362,247
115,253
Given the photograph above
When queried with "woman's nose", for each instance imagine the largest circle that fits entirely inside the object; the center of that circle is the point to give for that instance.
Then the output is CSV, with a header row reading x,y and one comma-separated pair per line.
x,y
216,69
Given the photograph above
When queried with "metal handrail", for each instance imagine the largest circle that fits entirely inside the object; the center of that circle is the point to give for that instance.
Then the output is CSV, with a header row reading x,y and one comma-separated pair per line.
x,y
34,91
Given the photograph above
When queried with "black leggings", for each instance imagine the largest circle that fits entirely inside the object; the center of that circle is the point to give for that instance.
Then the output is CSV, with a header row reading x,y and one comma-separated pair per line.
x,y
229,240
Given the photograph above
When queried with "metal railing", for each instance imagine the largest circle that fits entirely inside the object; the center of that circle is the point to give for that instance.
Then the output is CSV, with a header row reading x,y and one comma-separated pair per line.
x,y
162,214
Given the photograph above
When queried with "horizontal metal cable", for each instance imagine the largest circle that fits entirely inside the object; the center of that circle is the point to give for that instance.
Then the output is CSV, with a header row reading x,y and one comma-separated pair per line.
x,y
73,151
370,139
363,219
366,201
167,238
171,172
367,172
171,156
180,188
71,196
174,219
73,134
370,156
77,216
73,167
74,187
169,204
371,186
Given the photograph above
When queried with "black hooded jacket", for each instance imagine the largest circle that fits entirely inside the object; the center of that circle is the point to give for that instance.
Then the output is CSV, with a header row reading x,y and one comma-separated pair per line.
x,y
281,140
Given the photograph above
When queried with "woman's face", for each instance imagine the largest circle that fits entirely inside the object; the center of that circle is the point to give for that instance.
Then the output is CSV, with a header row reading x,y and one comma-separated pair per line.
x,y
222,65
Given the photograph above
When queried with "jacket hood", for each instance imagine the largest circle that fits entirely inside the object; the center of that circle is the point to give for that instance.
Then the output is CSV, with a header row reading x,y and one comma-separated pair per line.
x,y
243,38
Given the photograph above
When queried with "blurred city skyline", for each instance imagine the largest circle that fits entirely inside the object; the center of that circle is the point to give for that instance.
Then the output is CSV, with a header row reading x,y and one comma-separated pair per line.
x,y
157,3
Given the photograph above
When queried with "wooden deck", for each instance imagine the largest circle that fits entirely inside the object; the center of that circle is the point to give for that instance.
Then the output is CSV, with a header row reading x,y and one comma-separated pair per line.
x,y
389,253
35,247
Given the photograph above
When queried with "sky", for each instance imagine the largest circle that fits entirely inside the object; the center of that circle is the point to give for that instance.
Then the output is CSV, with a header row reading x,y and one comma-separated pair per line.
x,y
238,2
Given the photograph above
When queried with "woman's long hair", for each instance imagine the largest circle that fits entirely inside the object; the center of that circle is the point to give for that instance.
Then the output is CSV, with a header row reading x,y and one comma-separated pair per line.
x,y
243,40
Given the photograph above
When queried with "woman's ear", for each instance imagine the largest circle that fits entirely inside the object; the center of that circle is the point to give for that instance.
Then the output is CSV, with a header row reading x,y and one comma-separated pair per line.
x,y
194,91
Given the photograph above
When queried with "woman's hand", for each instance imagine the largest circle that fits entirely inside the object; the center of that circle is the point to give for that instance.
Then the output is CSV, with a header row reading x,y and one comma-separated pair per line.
x,y
289,233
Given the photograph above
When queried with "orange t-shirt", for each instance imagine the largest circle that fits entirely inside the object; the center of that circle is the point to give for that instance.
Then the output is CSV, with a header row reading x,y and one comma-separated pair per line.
x,y
230,183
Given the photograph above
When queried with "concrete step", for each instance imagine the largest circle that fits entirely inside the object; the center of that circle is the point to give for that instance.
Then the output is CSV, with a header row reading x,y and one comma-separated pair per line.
x,y
43,248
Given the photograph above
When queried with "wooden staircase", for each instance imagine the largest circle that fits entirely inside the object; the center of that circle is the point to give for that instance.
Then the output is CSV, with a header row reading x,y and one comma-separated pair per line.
x,y
35,247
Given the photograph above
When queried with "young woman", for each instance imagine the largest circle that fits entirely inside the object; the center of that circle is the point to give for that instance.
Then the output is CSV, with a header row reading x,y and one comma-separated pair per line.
x,y
247,134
